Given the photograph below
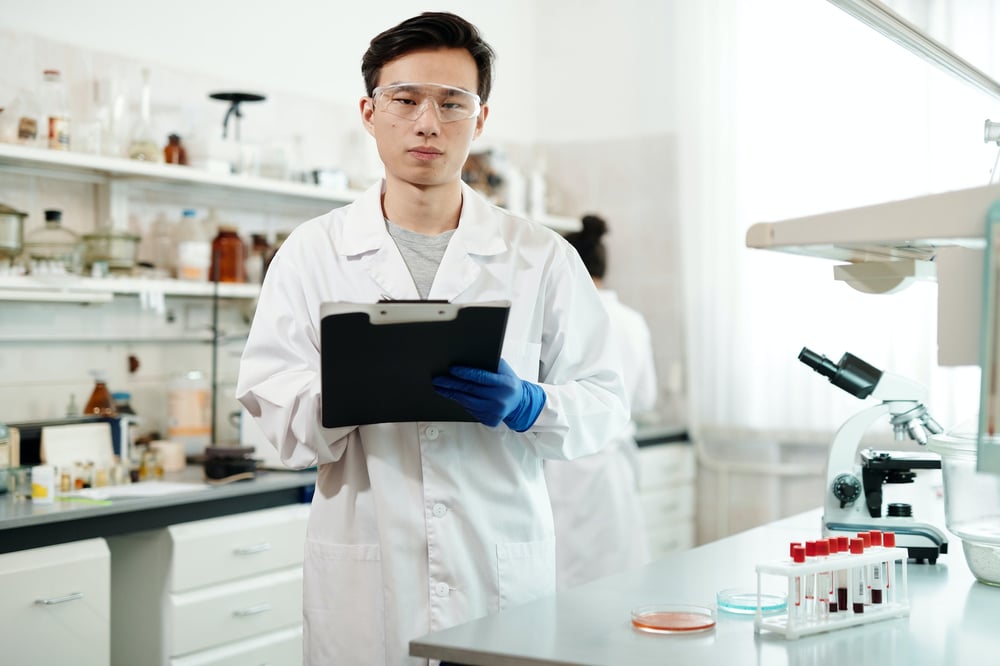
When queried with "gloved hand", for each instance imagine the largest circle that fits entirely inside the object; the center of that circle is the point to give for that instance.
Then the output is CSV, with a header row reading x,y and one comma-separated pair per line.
x,y
493,397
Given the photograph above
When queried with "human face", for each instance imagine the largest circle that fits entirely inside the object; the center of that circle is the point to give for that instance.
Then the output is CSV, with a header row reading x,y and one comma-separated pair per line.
x,y
424,151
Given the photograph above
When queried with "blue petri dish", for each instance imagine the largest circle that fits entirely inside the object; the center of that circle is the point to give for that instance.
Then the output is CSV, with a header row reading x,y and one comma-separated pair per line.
x,y
744,602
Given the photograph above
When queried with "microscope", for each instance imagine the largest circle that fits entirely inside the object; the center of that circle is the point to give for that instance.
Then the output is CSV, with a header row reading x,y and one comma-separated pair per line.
x,y
854,479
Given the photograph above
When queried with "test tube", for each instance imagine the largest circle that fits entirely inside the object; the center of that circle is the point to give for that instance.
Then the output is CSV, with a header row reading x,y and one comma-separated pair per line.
x,y
876,571
858,586
889,541
843,546
823,586
795,608
832,593
866,539
809,604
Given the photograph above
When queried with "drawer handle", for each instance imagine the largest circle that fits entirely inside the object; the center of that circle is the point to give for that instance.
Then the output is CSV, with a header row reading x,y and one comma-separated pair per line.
x,y
253,610
72,596
253,550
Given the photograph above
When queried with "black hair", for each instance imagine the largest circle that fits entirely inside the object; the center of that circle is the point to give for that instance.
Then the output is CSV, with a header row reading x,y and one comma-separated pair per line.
x,y
430,30
589,245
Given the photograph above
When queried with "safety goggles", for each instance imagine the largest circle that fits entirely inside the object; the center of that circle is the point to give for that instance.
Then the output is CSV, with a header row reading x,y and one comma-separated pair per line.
x,y
408,101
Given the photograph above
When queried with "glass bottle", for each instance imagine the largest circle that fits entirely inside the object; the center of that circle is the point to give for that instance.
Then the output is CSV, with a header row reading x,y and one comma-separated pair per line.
x,y
100,403
174,152
55,110
19,121
142,146
228,256
53,248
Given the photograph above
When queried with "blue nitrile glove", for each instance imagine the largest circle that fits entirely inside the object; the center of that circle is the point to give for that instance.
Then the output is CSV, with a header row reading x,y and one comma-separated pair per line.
x,y
493,397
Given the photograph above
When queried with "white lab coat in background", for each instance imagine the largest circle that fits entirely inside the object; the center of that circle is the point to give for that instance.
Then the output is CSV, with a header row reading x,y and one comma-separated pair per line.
x,y
416,527
595,499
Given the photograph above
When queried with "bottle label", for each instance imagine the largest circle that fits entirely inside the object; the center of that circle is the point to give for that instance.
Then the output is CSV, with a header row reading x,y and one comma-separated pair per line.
x,y
27,129
59,132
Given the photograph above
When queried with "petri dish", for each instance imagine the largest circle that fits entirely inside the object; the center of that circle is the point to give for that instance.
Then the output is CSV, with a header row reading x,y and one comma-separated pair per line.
x,y
744,602
673,619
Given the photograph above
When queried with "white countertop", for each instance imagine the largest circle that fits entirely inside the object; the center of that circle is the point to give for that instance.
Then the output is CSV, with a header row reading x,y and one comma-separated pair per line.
x,y
953,618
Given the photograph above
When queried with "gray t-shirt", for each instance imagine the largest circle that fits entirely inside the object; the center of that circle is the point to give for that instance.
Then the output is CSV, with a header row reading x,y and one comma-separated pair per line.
x,y
422,254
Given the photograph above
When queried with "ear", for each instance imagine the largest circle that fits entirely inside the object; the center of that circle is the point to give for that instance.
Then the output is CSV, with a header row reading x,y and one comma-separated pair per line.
x,y
481,121
367,106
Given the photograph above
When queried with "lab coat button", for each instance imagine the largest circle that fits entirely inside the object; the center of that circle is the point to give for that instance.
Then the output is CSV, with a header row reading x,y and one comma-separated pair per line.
x,y
431,432
440,510
441,589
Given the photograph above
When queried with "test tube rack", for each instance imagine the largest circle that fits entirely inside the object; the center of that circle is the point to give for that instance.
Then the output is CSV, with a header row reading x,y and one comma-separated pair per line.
x,y
808,612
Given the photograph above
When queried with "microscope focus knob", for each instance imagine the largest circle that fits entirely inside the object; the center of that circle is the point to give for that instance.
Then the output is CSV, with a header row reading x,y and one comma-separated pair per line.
x,y
846,488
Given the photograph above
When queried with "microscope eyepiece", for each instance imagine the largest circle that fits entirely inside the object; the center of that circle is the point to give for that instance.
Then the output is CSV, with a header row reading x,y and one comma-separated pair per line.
x,y
851,373
818,362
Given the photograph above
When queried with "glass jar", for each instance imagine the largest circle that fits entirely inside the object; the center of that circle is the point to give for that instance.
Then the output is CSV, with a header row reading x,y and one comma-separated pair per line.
x,y
971,500
228,256
53,248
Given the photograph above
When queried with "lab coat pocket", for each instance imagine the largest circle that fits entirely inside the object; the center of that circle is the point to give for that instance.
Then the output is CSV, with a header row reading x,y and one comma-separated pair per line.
x,y
523,357
342,604
526,571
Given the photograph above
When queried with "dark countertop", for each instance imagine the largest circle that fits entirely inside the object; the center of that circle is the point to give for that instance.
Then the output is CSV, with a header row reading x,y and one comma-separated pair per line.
x,y
24,524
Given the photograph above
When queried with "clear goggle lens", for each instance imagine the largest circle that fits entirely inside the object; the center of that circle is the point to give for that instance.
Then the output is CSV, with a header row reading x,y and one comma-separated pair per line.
x,y
408,101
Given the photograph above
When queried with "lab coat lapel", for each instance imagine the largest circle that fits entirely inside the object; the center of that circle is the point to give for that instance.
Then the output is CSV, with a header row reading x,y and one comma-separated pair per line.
x,y
477,236
364,238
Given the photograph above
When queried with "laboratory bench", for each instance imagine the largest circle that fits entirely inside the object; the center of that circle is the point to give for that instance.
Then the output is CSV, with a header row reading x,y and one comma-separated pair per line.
x,y
952,618
194,574
25,524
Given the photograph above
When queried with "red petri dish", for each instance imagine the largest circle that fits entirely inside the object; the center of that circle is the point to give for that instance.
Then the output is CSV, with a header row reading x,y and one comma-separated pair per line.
x,y
673,619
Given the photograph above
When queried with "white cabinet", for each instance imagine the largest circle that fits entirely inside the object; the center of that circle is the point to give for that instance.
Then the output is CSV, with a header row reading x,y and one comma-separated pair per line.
x,y
55,604
220,591
667,492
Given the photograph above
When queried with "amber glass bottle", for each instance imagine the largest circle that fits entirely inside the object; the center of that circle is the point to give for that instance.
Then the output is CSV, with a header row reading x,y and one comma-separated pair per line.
x,y
100,402
228,256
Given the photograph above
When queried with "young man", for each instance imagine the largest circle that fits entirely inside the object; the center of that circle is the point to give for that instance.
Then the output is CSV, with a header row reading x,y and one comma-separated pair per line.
x,y
416,527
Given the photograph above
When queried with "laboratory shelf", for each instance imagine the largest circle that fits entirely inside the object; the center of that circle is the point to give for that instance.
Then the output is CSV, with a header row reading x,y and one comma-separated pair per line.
x,y
100,169
914,228
77,289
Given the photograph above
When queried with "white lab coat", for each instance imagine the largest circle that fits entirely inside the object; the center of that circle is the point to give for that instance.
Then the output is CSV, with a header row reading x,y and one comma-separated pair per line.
x,y
416,527
595,499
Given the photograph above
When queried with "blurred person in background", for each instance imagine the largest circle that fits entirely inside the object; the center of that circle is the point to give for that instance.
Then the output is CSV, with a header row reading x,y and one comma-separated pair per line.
x,y
595,499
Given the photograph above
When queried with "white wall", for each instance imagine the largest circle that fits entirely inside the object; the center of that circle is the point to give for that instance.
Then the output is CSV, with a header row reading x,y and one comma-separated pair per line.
x,y
306,47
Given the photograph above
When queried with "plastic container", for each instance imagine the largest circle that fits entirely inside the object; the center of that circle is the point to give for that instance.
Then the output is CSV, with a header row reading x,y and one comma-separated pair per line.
x,y
194,249
971,501
189,412
43,484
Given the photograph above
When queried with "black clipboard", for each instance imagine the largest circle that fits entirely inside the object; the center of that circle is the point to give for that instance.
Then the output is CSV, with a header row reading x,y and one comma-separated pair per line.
x,y
377,359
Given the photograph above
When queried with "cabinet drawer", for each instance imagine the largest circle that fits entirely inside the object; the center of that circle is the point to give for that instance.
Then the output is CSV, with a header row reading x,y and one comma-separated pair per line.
x,y
56,604
665,464
673,538
280,648
235,611
664,506
207,552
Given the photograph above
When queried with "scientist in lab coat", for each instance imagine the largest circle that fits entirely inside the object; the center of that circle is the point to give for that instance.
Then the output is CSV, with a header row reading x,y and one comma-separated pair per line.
x,y
416,527
595,499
